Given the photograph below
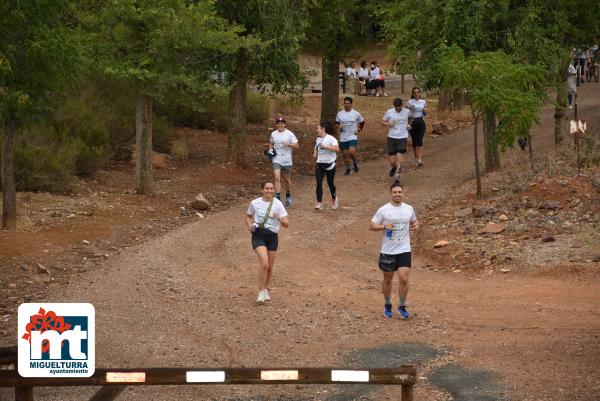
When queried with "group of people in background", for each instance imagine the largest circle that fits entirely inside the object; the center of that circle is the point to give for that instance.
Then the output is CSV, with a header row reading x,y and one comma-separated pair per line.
x,y
583,59
370,78
266,215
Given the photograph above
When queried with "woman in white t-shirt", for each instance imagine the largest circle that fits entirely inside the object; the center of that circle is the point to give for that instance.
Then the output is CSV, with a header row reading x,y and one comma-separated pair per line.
x,y
264,218
418,107
325,150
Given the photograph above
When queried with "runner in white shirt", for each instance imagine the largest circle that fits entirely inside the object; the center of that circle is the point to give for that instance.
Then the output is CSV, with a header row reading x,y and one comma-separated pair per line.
x,y
283,141
418,107
571,84
325,150
350,123
264,218
395,218
396,119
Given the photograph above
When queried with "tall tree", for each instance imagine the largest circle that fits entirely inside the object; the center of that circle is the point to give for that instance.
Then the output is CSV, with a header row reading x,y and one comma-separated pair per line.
x,y
495,81
163,46
38,55
271,32
334,30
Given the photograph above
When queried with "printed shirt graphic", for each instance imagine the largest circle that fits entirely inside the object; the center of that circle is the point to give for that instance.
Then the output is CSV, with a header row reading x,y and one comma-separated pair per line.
x,y
348,121
401,217
418,107
326,155
284,153
258,208
399,130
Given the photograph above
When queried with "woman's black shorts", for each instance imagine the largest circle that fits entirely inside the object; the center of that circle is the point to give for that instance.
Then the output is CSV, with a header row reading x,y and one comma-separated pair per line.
x,y
417,131
391,263
265,237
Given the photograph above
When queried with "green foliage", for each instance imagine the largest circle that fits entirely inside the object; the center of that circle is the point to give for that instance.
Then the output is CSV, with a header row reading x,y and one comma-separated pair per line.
x,y
215,111
497,85
164,46
38,55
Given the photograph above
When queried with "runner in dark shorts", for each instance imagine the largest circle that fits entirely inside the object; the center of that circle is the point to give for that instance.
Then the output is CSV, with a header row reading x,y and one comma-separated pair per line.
x,y
396,219
264,218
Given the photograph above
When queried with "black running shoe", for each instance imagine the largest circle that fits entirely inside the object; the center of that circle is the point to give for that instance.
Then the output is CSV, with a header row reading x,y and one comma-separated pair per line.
x,y
348,171
393,171
356,167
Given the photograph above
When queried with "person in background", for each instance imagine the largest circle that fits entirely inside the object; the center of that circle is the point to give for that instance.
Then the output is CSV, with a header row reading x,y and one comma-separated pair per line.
x,y
571,85
376,79
396,118
351,71
325,150
284,142
350,124
363,76
418,107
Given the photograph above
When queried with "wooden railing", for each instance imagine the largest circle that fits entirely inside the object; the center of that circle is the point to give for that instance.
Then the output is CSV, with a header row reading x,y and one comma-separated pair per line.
x,y
115,380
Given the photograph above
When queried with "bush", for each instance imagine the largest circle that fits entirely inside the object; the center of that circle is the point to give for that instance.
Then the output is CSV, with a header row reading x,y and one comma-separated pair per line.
x,y
162,135
216,110
180,149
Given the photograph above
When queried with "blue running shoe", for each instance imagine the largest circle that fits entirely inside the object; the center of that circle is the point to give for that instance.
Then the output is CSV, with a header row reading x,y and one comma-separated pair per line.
x,y
403,312
387,311
288,200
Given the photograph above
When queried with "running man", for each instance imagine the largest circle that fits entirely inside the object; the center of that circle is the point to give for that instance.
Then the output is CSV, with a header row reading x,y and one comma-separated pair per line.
x,y
396,218
396,119
264,218
284,142
350,123
417,131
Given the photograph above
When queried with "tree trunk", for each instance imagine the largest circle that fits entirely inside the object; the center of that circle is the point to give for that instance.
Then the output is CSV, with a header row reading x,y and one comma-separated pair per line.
x,y
402,84
444,99
559,111
143,144
330,93
236,146
492,150
458,99
9,193
476,155
529,145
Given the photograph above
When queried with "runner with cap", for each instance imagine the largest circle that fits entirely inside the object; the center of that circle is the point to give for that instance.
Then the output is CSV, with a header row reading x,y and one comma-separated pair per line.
x,y
350,123
283,141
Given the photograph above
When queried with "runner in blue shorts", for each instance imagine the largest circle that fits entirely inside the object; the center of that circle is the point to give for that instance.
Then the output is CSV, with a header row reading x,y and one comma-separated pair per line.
x,y
350,123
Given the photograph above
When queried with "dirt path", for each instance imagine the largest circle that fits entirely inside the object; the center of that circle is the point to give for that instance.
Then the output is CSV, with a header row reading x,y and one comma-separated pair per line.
x,y
187,299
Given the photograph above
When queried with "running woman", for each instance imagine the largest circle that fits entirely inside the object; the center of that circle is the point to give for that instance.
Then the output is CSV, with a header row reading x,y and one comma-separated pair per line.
x,y
418,108
396,119
284,142
264,218
350,124
325,150
395,218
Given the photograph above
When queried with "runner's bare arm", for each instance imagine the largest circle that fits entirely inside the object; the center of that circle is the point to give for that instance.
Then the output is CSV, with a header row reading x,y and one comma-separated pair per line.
x,y
380,227
284,221
248,220
414,224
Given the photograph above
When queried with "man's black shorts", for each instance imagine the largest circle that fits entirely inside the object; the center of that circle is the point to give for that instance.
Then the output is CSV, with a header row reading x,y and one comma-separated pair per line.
x,y
265,237
396,145
391,263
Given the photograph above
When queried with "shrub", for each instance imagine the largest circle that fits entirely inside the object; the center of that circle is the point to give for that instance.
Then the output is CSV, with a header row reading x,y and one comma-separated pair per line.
x,y
258,107
180,149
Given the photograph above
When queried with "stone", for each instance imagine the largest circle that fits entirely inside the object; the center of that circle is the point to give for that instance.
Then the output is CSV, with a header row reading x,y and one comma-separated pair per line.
x,y
596,259
200,202
85,242
71,216
505,270
493,228
503,217
548,238
200,215
150,209
441,244
440,128
549,205
12,286
479,211
183,211
42,269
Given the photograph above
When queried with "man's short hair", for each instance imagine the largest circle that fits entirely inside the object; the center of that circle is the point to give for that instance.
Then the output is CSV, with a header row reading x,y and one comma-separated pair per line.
x,y
396,184
397,102
348,99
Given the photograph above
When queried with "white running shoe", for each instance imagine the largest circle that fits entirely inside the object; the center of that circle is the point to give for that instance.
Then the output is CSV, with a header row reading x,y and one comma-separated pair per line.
x,y
267,295
261,298
416,161
335,203
318,206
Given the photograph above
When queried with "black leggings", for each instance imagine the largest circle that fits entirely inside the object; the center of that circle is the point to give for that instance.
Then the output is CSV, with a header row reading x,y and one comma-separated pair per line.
x,y
330,174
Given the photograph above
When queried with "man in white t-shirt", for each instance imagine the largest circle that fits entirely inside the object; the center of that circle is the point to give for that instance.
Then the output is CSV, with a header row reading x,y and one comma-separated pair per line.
x,y
350,123
396,119
395,218
351,71
571,85
284,142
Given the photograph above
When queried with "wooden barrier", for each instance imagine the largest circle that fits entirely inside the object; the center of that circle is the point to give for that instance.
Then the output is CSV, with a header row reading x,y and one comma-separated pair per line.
x,y
115,380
